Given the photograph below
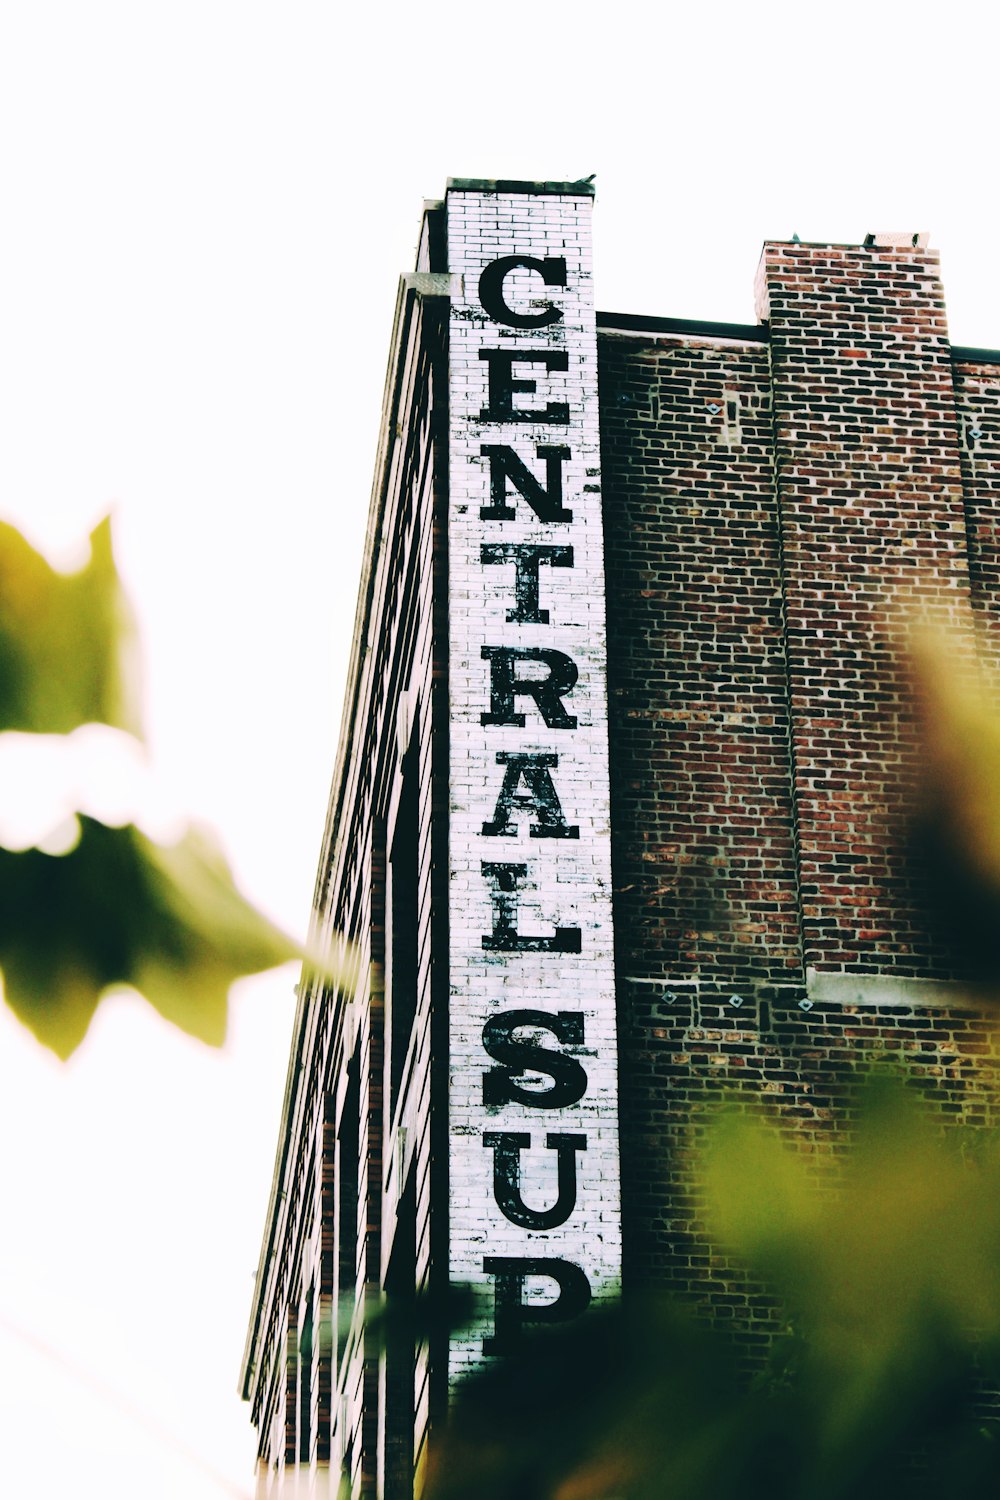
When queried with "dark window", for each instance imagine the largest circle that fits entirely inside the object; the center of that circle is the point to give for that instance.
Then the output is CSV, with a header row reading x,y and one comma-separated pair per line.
x,y
347,1209
291,1433
403,918
305,1380
400,1352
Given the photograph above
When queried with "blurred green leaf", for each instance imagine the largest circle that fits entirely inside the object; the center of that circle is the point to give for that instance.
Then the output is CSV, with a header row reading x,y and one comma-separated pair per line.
x,y
890,1267
425,1315
121,910
955,837
67,641
638,1400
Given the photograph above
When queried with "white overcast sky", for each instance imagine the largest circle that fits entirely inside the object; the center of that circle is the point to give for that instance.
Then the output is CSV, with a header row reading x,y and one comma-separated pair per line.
x,y
205,207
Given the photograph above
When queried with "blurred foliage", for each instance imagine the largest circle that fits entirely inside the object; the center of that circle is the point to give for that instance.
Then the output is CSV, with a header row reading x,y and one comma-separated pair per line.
x,y
117,910
880,1254
633,1400
890,1277
956,827
884,1267
114,908
887,1274
67,641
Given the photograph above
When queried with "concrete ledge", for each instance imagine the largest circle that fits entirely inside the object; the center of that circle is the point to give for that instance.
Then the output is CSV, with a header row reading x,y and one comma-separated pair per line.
x,y
884,989
432,283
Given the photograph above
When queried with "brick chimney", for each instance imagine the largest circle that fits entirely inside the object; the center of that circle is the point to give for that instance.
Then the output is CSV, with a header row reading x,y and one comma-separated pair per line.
x,y
871,514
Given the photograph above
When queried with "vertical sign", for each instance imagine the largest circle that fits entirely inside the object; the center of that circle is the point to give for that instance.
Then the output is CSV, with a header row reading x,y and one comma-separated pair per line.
x,y
535,1218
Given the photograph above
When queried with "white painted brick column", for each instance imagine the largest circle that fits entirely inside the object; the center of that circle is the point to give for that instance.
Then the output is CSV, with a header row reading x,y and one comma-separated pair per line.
x,y
534,1157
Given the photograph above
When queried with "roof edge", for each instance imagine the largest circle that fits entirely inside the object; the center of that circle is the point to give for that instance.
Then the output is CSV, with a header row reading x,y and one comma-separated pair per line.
x,y
967,356
753,333
584,188
750,333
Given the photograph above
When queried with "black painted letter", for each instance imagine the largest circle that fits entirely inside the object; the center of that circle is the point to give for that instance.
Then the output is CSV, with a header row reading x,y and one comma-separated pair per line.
x,y
507,1146
506,685
505,937
569,1080
540,798
512,1314
527,557
545,501
491,293
503,387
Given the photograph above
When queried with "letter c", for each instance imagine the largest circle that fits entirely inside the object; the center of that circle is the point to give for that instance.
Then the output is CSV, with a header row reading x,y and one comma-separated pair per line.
x,y
491,293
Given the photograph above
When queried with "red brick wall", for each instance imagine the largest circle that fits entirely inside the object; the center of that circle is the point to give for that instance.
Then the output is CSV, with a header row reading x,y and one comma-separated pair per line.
x,y
682,1047
705,876
869,489
760,745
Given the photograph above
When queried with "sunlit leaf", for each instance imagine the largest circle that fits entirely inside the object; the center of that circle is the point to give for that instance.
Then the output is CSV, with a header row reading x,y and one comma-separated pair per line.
x,y
67,641
121,910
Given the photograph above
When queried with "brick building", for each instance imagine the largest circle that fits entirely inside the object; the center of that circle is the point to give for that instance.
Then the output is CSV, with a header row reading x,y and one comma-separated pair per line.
x,y
616,816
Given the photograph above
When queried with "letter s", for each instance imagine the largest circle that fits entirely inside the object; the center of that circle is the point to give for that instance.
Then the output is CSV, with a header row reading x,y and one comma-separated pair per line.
x,y
569,1080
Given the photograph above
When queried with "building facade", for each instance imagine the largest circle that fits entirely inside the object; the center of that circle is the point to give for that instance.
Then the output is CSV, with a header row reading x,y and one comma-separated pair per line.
x,y
617,816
